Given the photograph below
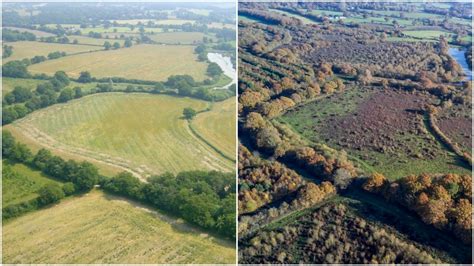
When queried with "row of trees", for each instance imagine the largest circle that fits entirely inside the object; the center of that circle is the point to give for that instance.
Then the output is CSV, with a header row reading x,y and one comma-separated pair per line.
x,y
7,51
206,199
9,35
442,201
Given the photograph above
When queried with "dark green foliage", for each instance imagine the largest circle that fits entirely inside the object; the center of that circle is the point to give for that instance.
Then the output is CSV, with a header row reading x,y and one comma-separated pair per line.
x,y
62,77
18,95
107,45
56,55
116,45
66,95
69,188
15,35
128,43
214,70
77,92
15,69
125,184
189,113
7,51
84,77
16,210
38,59
50,193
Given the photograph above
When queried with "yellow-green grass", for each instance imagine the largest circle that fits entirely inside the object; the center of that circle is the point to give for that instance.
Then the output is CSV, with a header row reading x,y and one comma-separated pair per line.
x,y
35,32
100,228
141,133
178,37
94,41
145,61
426,34
218,126
23,184
8,84
174,21
26,49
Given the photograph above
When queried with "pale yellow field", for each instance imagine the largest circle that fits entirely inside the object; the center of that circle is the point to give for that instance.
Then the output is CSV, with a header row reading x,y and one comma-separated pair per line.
x,y
141,133
25,49
218,126
146,62
35,32
99,228
178,37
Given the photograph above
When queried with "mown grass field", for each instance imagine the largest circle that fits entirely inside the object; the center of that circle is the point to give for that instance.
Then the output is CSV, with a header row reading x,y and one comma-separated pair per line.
x,y
23,185
94,41
35,32
26,49
142,133
146,62
178,37
218,126
99,228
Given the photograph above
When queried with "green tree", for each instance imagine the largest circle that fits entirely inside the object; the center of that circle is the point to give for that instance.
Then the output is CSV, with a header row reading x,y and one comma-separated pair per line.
x,y
107,45
116,45
42,158
8,143
50,193
69,188
66,95
214,70
85,77
62,77
77,92
128,43
189,113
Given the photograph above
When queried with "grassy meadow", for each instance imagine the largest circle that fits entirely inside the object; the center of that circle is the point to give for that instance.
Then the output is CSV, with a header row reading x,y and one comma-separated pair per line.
x,y
218,126
27,49
23,184
146,62
99,228
94,41
35,32
8,84
178,37
138,132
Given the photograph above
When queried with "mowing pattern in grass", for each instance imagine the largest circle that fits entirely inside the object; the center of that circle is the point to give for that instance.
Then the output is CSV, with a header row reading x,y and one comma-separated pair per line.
x,y
147,62
22,184
178,37
110,230
382,129
22,50
218,126
142,133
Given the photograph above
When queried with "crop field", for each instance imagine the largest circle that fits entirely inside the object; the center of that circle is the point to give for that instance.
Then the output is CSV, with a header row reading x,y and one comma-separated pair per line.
x,y
99,228
94,41
380,130
23,184
141,133
35,32
22,50
178,37
218,126
146,62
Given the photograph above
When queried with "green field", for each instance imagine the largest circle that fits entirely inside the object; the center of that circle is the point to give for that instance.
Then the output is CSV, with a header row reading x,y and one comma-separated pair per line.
x,y
22,50
178,37
174,21
145,61
142,133
303,19
218,126
377,20
35,32
94,41
23,184
99,228
8,84
326,12
426,34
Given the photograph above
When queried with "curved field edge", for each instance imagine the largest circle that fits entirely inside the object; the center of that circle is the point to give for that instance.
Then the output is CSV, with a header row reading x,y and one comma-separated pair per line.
x,y
27,130
111,229
217,128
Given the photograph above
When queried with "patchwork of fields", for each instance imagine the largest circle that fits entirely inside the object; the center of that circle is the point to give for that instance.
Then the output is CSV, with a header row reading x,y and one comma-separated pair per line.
x,y
99,228
26,49
141,133
146,62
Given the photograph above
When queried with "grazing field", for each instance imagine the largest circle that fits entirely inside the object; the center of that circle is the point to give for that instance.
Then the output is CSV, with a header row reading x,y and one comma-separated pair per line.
x,y
94,41
35,32
380,130
21,183
426,34
8,84
178,37
174,21
26,49
218,126
142,133
109,230
146,62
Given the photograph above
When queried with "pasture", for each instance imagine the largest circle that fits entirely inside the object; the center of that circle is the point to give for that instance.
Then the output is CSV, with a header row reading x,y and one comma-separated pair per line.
x,y
21,183
218,126
94,41
377,131
178,37
26,49
303,19
426,34
109,230
37,33
146,62
174,21
142,133
8,84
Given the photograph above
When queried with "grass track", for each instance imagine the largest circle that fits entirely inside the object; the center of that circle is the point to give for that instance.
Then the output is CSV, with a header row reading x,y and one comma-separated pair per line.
x,y
99,228
146,62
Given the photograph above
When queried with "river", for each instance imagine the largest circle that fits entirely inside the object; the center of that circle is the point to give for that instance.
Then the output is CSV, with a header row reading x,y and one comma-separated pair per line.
x,y
226,65
458,55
